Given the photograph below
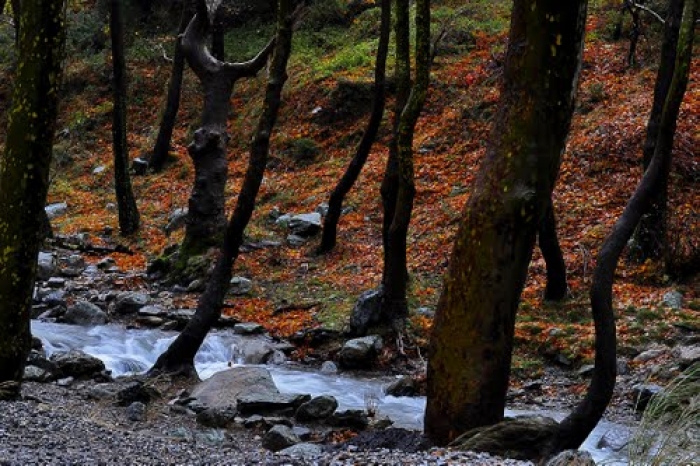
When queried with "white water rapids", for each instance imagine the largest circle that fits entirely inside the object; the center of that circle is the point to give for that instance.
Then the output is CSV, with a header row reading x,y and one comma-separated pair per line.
x,y
128,351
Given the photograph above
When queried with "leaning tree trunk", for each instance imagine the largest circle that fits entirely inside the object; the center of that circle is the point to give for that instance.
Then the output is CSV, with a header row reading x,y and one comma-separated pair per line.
x,y
218,45
394,304
167,124
650,236
24,178
126,204
556,288
472,337
179,357
206,219
335,203
578,425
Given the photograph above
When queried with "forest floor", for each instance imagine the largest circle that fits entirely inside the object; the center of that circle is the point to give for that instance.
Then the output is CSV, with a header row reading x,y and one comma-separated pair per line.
x,y
321,120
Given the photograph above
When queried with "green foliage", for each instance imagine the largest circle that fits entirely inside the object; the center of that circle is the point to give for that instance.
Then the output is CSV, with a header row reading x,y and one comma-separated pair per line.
x,y
302,150
670,429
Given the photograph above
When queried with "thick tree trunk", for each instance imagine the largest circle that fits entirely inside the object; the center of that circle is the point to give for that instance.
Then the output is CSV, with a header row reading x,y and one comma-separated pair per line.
x,y
576,427
557,288
395,306
218,46
650,236
24,178
206,219
472,339
167,124
345,184
179,357
126,204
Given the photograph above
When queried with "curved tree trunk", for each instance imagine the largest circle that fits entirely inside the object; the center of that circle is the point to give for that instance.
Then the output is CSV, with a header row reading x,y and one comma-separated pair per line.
x,y
126,204
557,288
172,104
218,47
345,184
650,236
206,219
472,337
24,178
179,357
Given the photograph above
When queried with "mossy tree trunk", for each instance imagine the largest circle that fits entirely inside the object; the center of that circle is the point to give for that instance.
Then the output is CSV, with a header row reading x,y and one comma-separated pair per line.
x,y
126,203
172,103
206,219
472,337
394,303
179,357
24,177
346,182
650,236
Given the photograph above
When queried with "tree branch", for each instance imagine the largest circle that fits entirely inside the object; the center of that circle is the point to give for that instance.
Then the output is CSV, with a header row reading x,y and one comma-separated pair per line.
x,y
648,10
251,67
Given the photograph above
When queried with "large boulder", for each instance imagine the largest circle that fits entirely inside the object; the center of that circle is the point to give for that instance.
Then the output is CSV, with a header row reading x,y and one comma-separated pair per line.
x,y
360,353
224,388
367,311
317,408
279,437
85,313
305,225
130,302
76,364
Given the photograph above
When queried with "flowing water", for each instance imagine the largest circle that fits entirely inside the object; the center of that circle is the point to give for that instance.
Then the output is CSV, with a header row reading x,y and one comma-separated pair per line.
x,y
129,351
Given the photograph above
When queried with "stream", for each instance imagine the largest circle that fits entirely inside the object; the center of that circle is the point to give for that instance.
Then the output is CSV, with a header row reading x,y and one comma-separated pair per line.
x,y
129,351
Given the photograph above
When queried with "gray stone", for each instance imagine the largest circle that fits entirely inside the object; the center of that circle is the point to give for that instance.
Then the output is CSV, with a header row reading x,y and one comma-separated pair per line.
x,y
296,240
306,451
106,263
623,367
217,417
304,433
176,220
56,282
56,209
283,220
651,353
360,353
269,403
71,266
673,299
248,328
225,387
153,310
403,386
150,321
85,313
46,265
351,418
35,374
136,411
130,302
614,439
687,355
586,370
135,391
572,458
322,209
329,367
256,351
317,408
279,437
367,311
99,169
65,381
305,225
240,286
642,394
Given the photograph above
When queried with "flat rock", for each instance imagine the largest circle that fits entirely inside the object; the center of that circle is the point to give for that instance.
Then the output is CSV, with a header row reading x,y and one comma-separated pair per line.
x,y
306,451
269,403
225,387
317,408
76,364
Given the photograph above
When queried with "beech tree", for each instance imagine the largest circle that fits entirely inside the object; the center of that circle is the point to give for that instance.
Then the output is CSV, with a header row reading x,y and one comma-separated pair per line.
x,y
24,178
472,336
126,203
179,357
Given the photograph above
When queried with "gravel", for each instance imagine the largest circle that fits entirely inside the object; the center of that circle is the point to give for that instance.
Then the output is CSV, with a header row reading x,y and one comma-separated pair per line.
x,y
64,426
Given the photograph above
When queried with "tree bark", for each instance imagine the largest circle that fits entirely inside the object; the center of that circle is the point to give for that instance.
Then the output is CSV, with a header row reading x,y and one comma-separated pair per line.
x,y
345,184
579,424
218,46
126,204
556,288
172,105
650,236
16,17
179,357
206,219
24,178
472,337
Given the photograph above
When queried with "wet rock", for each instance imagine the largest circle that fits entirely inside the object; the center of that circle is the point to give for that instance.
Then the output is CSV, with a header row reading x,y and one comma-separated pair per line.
x,y
225,387
65,381
86,314
329,367
248,328
279,438
351,418
150,321
403,386
46,265
256,351
360,353
220,417
366,312
572,458
35,374
56,209
136,411
317,408
76,364
304,433
53,298
270,403
56,282
615,440
305,225
239,286
153,310
71,266
130,302
673,299
642,395
305,451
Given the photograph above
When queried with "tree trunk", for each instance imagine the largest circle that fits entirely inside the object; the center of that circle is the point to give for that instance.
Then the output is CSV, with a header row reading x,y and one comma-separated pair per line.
x,y
16,15
650,236
335,203
24,178
206,219
394,303
557,288
126,204
218,47
579,424
472,336
167,124
179,357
